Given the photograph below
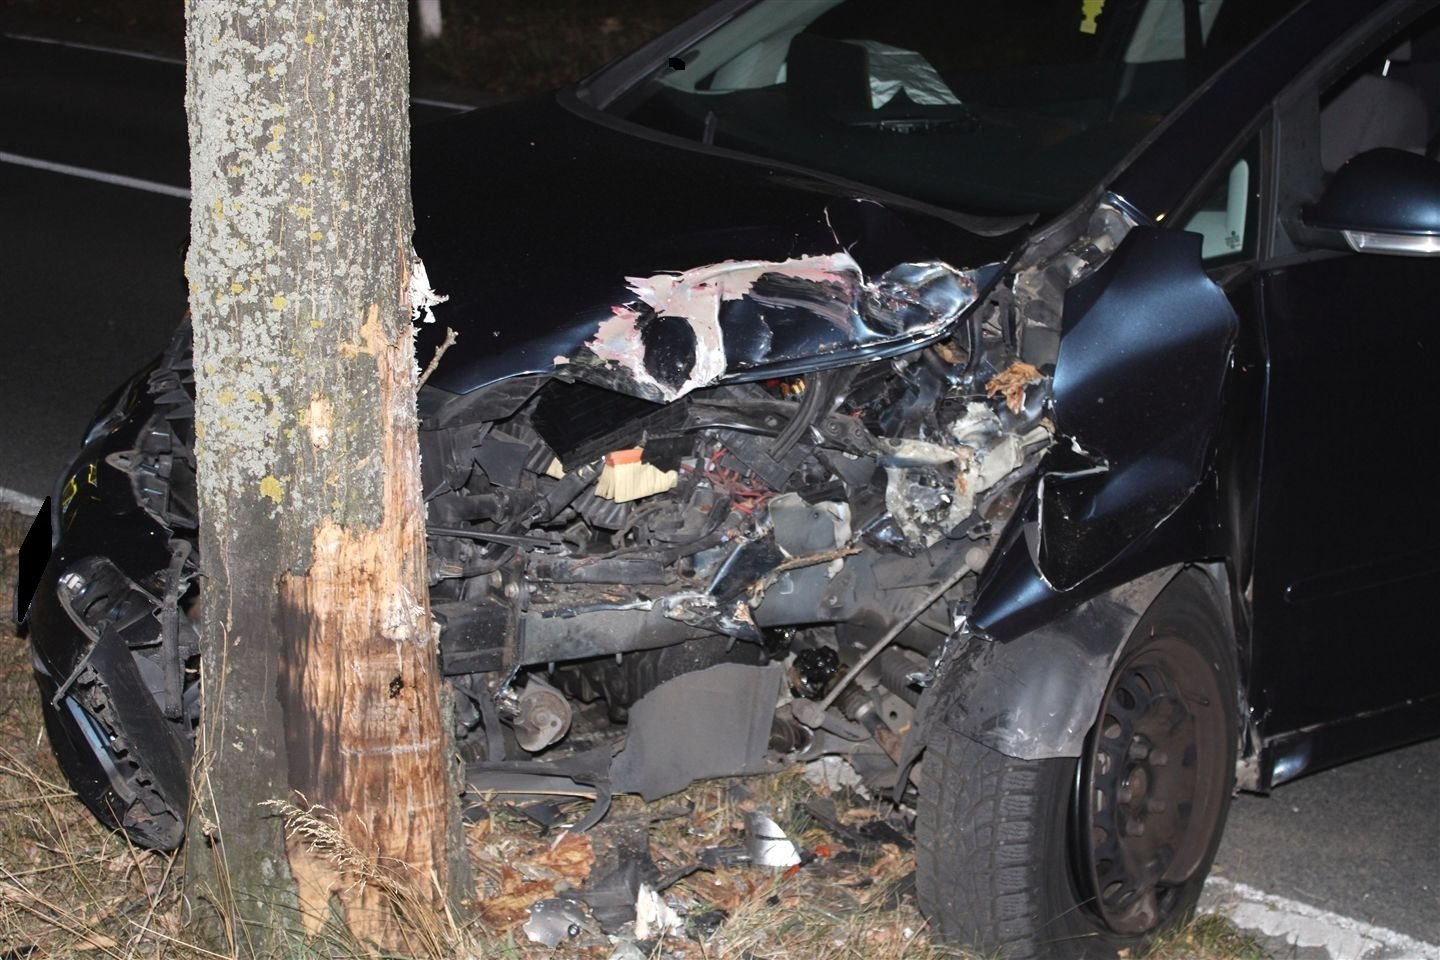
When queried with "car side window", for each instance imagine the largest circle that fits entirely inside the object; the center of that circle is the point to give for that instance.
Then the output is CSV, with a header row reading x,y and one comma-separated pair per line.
x,y
1390,99
1226,211
1387,97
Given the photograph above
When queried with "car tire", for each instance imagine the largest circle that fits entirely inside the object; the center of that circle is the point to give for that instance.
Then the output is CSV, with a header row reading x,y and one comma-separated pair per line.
x,y
1001,862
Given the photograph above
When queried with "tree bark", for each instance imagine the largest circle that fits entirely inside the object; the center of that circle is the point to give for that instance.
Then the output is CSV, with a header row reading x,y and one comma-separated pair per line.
x,y
319,673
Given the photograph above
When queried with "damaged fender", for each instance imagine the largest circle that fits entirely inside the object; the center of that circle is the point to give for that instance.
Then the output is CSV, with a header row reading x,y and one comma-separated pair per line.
x,y
1144,347
1035,697
1137,389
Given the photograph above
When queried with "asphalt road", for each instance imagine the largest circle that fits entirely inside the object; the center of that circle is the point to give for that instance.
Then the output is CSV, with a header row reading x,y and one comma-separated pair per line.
x,y
93,288
92,270
1360,840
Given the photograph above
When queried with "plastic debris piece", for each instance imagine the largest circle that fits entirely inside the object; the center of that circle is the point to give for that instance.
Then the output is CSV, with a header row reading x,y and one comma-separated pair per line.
x,y
622,864
555,921
422,297
767,844
653,916
627,950
707,723
834,773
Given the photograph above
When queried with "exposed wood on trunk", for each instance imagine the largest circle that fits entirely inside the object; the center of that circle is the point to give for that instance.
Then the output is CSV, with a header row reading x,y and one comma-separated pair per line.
x,y
359,691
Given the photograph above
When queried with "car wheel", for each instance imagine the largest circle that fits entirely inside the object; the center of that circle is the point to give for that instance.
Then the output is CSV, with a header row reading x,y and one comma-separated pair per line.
x,y
1085,857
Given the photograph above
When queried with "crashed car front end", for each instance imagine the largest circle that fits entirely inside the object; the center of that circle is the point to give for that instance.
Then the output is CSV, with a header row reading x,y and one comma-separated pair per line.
x,y
752,518
106,594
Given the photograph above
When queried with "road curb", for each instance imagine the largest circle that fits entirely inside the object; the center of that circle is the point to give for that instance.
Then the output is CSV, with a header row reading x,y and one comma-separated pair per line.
x,y
1308,931
19,502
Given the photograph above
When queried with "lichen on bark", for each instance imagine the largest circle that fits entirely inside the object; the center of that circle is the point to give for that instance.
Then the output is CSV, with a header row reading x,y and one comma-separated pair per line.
x,y
299,138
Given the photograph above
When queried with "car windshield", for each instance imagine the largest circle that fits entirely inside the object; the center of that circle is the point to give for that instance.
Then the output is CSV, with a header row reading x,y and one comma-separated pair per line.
x,y
983,107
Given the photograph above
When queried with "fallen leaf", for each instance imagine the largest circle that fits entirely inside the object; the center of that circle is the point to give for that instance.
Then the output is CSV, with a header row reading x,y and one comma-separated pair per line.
x,y
724,889
1011,383
571,858
890,863
512,904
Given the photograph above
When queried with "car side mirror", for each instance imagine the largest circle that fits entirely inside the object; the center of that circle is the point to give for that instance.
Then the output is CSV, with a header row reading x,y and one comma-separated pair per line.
x,y
1379,201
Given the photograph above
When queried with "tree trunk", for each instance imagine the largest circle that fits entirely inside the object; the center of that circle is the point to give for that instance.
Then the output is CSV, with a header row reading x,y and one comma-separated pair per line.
x,y
319,673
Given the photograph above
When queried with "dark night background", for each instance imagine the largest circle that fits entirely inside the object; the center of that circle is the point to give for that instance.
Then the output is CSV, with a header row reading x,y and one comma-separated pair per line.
x,y
502,47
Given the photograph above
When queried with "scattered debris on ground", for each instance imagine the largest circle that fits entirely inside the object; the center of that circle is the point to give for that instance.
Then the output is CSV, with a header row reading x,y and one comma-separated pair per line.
x,y
783,867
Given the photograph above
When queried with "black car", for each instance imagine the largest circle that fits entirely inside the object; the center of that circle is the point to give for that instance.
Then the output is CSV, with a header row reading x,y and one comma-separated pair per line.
x,y
1005,398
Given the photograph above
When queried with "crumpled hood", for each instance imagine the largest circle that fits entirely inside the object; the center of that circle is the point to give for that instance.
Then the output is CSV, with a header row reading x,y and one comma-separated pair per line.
x,y
543,220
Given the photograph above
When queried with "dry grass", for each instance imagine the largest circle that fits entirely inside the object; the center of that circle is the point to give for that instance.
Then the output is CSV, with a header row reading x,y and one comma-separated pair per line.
x,y
70,889
1209,937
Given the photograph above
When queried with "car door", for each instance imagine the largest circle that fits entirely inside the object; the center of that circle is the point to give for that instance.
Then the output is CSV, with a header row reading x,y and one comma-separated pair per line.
x,y
1346,556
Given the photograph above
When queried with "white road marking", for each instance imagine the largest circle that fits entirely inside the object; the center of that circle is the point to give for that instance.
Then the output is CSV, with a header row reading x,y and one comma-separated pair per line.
x,y
94,48
158,58
1301,925
117,179
19,502
443,104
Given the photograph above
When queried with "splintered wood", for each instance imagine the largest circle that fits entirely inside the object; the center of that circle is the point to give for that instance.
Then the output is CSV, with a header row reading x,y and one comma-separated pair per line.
x,y
364,738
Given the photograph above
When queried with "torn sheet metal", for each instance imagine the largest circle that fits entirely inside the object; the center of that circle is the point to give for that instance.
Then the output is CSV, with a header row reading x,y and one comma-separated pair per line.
x,y
687,330
710,723
669,341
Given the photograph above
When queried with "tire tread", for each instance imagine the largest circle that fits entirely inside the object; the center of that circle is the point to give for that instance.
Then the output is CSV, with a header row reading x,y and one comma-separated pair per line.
x,y
978,879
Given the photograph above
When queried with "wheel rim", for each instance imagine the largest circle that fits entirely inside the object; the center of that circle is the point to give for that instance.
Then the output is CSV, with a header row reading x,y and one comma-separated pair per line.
x,y
1152,785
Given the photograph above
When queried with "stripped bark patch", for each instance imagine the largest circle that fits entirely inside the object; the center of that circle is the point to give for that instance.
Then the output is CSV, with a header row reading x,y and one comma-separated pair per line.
x,y
361,745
